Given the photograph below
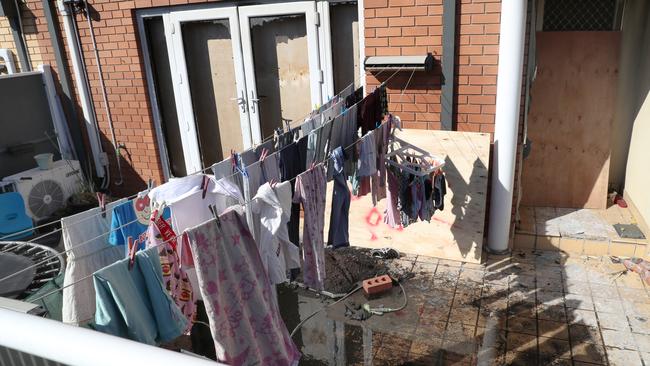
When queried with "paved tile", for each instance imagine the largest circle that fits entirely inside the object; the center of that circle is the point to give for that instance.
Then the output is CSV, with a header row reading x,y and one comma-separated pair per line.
x,y
535,308
553,329
589,352
584,334
522,325
583,317
551,349
604,291
618,339
579,302
620,357
518,342
616,321
642,341
607,306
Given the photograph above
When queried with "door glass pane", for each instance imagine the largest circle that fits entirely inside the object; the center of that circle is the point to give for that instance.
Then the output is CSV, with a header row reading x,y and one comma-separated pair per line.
x,y
211,73
344,27
165,95
281,58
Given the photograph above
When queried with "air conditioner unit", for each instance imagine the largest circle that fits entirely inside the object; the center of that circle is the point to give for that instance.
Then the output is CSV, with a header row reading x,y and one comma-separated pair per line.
x,y
46,191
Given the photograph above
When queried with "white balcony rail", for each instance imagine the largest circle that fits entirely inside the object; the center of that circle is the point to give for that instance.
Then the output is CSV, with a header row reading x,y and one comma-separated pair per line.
x,y
78,346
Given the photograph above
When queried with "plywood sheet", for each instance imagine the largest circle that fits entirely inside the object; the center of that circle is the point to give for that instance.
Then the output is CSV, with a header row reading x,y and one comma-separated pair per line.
x,y
570,119
455,233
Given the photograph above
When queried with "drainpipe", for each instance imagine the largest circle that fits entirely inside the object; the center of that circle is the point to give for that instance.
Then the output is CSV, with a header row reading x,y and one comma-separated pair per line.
x,y
64,80
102,84
448,65
16,24
509,78
81,82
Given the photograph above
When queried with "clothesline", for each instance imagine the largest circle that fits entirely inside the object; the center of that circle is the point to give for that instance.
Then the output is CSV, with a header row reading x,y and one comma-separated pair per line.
x,y
163,242
193,173
89,241
267,138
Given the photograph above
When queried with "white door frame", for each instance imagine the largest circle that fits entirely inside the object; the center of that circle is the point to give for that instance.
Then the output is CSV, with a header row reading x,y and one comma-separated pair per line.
x,y
185,108
324,49
308,8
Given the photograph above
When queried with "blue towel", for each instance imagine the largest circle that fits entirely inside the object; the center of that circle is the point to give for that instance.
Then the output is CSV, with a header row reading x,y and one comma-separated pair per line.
x,y
133,303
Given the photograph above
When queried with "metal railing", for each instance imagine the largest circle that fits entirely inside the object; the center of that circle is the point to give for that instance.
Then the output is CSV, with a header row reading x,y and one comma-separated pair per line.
x,y
71,345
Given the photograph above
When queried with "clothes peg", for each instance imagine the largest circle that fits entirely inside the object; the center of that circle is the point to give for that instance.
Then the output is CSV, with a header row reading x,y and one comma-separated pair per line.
x,y
215,214
132,251
264,154
101,199
150,184
204,186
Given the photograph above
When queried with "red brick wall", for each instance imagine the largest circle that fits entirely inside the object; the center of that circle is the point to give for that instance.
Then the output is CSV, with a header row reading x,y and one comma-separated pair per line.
x,y
123,72
392,27
414,27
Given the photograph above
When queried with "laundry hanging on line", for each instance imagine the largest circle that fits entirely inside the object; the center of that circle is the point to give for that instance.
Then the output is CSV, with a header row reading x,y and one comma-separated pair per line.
x,y
333,137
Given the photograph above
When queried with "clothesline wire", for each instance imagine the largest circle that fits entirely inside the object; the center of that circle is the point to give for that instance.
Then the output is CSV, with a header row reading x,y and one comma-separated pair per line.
x,y
136,194
89,241
167,240
267,138
90,275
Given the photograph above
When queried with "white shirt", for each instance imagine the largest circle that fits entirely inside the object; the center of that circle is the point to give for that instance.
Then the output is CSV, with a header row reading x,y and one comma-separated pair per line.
x,y
273,205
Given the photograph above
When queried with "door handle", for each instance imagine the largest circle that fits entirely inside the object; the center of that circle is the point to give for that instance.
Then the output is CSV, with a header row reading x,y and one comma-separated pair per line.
x,y
253,101
241,101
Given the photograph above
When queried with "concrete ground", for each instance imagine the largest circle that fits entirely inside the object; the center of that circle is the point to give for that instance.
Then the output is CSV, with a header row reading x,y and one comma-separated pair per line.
x,y
525,309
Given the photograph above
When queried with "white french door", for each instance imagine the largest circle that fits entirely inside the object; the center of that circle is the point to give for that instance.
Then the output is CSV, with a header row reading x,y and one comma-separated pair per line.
x,y
281,63
210,87
240,72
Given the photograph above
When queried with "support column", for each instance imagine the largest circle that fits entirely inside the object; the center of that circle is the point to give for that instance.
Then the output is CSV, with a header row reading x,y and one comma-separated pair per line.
x,y
509,79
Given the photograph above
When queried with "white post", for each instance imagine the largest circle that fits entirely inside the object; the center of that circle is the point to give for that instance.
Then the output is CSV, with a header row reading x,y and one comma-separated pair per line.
x,y
509,78
82,89
78,346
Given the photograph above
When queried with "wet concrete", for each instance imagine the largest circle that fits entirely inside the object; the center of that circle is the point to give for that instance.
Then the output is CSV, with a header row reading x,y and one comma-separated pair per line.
x,y
533,308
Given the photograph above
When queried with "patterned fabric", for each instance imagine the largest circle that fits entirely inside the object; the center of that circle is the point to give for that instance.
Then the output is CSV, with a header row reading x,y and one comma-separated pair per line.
x,y
310,191
175,279
244,318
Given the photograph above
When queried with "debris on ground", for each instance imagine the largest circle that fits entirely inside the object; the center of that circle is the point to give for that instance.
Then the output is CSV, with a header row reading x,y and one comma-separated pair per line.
x,y
385,253
345,268
640,266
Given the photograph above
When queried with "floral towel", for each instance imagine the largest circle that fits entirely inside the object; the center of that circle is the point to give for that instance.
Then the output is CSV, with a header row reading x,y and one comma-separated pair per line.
x,y
244,318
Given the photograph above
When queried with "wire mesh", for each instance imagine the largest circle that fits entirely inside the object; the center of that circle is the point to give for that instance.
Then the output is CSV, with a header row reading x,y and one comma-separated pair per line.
x,y
579,15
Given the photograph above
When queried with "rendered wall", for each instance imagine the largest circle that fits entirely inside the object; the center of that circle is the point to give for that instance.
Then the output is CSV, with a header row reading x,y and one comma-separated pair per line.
x,y
636,100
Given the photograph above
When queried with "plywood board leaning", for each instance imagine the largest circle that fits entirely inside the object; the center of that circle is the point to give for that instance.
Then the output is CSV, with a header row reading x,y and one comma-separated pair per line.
x,y
570,120
455,233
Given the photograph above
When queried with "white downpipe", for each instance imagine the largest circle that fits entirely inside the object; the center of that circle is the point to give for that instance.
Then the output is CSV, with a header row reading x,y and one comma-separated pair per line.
x,y
72,345
82,90
509,79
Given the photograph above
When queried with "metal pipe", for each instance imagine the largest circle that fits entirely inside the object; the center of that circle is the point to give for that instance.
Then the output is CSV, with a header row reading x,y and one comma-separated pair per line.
x,y
17,32
509,76
64,80
79,346
448,65
81,82
105,96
